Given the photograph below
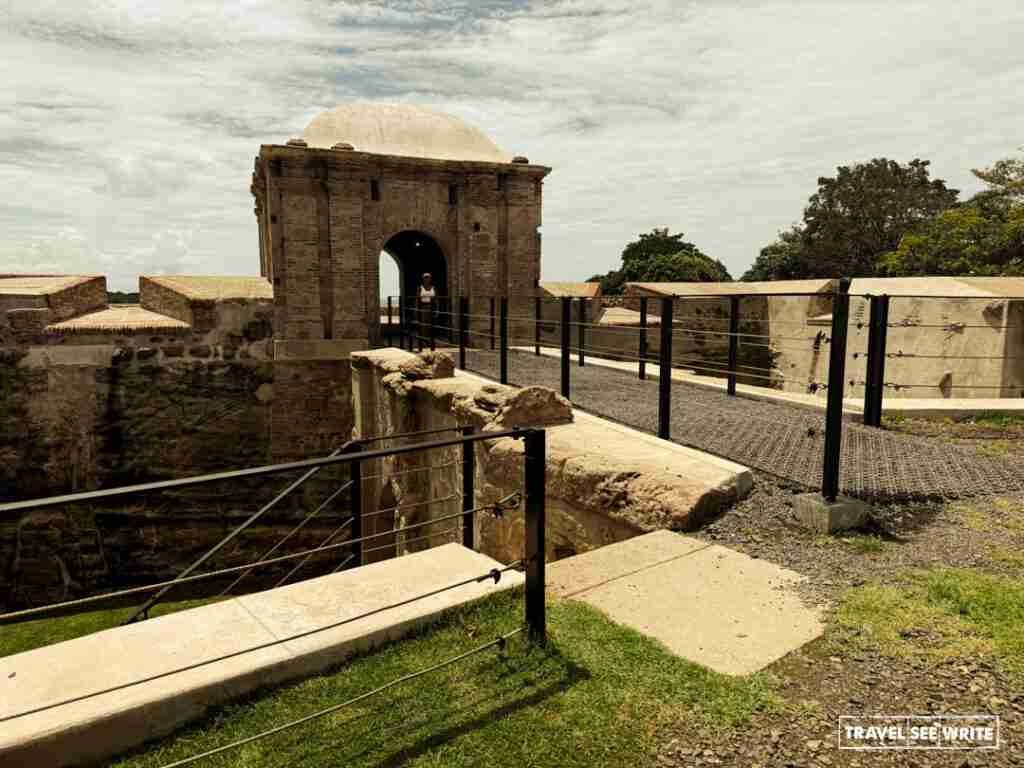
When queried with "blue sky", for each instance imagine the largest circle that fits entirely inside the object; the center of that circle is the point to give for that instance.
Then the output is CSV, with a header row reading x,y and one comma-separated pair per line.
x,y
128,129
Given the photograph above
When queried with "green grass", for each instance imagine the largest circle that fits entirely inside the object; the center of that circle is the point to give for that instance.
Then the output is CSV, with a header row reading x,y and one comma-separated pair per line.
x,y
937,615
598,694
865,544
861,543
991,514
996,420
16,638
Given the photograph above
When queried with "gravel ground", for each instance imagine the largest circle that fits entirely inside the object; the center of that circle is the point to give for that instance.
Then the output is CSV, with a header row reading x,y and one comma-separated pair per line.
x,y
934,487
788,442
821,682
900,537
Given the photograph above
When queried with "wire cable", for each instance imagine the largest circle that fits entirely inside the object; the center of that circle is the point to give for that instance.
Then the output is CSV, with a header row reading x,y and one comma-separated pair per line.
x,y
499,642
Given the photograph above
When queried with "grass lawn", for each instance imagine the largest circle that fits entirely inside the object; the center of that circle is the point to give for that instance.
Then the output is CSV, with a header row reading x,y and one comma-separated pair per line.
x,y
15,638
598,694
940,614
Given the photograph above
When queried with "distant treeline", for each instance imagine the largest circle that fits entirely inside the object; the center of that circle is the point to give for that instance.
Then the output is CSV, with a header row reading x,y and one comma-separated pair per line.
x,y
878,218
121,297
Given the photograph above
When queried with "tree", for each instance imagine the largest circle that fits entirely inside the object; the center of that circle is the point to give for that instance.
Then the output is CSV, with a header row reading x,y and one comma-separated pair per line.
x,y
853,219
984,236
1004,177
782,260
657,256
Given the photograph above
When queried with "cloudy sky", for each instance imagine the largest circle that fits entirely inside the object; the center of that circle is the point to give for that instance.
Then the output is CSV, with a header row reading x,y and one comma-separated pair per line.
x,y
128,129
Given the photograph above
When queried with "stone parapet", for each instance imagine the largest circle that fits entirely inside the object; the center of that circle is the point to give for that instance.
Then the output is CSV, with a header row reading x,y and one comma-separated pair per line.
x,y
605,482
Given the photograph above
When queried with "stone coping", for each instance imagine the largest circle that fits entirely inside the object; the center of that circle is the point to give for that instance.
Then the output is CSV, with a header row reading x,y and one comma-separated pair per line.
x,y
216,287
40,285
94,729
118,318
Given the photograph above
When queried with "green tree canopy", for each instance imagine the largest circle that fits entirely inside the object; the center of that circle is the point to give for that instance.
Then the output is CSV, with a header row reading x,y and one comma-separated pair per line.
x,y
984,236
657,256
853,219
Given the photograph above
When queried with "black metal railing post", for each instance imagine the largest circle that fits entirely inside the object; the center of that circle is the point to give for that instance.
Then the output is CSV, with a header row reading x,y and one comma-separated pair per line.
x,y
492,333
566,323
432,322
581,336
417,314
874,379
468,493
536,325
734,341
391,326
401,323
643,338
665,370
403,309
836,387
534,471
356,502
463,330
503,337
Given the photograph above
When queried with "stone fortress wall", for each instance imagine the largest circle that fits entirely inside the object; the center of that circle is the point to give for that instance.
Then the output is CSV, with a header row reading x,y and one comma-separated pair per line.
x,y
182,384
950,337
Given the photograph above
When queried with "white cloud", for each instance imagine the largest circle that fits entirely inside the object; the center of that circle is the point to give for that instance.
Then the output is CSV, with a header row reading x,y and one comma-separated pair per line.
x,y
133,124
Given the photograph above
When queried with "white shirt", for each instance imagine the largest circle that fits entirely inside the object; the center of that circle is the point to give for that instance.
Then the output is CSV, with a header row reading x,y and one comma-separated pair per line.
x,y
427,294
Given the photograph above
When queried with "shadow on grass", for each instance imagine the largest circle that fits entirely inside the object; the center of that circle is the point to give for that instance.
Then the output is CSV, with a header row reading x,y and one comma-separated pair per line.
x,y
441,726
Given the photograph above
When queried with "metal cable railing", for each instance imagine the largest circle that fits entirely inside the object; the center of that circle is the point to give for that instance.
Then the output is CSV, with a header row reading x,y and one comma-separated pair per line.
x,y
430,531
494,573
724,336
190,575
499,642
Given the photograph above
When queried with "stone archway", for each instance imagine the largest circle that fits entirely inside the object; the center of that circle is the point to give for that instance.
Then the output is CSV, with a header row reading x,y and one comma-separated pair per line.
x,y
416,252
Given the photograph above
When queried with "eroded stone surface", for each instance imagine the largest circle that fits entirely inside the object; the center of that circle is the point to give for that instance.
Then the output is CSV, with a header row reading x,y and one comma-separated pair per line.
x,y
605,482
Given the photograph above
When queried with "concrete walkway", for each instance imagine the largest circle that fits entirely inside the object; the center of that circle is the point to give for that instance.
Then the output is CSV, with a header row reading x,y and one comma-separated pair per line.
x,y
98,727
711,605
921,407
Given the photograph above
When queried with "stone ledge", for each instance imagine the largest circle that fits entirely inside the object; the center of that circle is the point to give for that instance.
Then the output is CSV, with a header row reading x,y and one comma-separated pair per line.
x,y
94,729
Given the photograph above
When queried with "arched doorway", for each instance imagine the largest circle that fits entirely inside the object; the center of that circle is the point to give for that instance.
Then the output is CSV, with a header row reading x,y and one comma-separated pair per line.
x,y
415,253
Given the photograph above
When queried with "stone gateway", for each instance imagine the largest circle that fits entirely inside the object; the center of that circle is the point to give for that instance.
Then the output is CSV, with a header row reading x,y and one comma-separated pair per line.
x,y
432,191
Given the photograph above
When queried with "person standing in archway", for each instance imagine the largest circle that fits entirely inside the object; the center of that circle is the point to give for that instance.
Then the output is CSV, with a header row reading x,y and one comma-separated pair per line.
x,y
427,307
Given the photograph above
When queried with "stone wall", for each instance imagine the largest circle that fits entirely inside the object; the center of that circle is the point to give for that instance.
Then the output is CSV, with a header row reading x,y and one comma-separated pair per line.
x,y
596,494
93,410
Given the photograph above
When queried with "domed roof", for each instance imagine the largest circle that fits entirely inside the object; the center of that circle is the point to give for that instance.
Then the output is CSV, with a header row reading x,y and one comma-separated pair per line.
x,y
402,129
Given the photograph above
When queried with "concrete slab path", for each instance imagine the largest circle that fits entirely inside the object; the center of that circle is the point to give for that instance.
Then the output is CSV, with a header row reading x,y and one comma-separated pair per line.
x,y
97,727
704,602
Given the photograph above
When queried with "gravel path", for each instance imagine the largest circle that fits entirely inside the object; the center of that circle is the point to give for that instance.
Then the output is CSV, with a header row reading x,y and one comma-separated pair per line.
x,y
783,440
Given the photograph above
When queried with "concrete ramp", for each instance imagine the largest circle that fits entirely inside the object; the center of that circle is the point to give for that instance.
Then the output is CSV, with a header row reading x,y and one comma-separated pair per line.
x,y
706,603
98,727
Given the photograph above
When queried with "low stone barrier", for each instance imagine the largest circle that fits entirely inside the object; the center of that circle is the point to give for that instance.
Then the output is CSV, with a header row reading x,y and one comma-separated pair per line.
x,y
605,482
